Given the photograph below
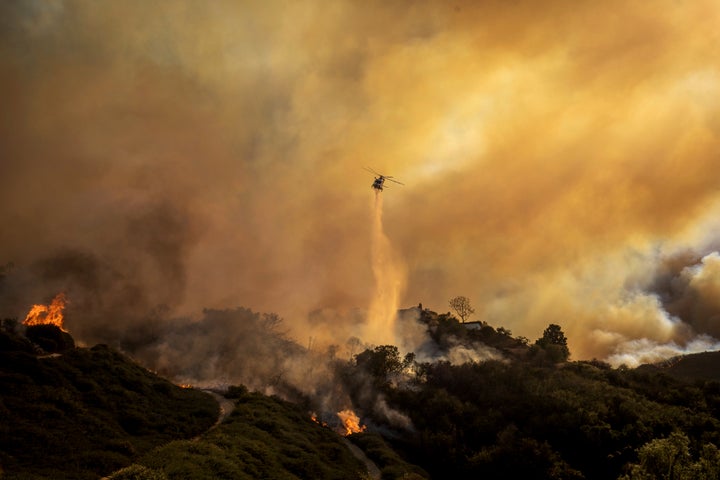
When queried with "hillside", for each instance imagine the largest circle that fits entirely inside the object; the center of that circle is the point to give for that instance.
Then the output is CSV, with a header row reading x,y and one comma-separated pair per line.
x,y
82,413
264,437
87,411
696,366
479,403
530,414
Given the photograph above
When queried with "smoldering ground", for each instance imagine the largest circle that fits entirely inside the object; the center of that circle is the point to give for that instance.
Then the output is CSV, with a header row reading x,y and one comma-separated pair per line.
x,y
553,160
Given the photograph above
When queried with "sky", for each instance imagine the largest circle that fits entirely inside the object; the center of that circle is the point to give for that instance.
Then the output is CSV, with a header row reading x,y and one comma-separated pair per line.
x,y
558,158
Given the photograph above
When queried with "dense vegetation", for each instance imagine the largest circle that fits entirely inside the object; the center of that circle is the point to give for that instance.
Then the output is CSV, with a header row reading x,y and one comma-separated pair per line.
x,y
86,412
524,410
391,465
82,413
264,437
534,415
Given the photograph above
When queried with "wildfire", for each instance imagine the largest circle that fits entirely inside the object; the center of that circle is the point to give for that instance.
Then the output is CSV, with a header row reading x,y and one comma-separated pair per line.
x,y
314,418
350,422
48,314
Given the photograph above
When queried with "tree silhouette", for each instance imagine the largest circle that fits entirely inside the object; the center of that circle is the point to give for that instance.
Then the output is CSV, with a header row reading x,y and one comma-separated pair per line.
x,y
383,360
554,343
462,307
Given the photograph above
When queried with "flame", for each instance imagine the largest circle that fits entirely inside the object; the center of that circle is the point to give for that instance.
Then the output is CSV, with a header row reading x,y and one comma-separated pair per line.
x,y
48,314
314,418
351,423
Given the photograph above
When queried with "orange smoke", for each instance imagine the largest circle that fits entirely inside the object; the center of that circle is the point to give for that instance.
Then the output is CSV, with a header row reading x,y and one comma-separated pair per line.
x,y
350,423
48,314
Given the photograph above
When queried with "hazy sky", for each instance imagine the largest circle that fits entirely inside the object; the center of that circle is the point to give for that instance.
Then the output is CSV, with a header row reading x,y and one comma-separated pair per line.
x,y
560,159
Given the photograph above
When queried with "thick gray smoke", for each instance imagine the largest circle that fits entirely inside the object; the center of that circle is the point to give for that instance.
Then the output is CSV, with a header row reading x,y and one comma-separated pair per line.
x,y
689,287
117,290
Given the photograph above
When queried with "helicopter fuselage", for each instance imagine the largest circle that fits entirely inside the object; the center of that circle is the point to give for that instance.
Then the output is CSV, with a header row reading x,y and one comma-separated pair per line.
x,y
378,183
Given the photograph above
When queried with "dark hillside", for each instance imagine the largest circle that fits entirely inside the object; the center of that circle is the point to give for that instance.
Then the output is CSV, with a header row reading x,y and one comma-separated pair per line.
x,y
512,419
520,411
697,366
86,412
531,413
91,412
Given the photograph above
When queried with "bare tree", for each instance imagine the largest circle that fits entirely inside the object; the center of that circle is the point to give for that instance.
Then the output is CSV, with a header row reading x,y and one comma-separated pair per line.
x,y
462,307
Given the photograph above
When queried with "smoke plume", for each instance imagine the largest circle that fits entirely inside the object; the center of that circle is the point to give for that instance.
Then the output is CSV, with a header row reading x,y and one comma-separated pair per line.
x,y
161,159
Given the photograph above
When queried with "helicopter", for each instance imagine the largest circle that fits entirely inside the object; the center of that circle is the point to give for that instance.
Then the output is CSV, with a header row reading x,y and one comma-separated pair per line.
x,y
379,182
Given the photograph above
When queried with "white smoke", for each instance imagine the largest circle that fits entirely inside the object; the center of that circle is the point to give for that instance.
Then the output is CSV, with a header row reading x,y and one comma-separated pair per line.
x,y
633,353
393,417
674,312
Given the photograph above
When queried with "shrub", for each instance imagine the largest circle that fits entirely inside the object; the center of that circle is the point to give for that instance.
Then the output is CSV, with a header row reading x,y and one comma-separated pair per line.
x,y
137,472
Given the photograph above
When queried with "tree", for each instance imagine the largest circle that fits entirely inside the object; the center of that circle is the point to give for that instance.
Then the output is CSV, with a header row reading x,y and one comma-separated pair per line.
x,y
670,458
554,343
383,361
462,307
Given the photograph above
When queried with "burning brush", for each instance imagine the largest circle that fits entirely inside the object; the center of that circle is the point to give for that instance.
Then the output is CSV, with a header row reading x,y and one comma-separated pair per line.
x,y
349,423
48,314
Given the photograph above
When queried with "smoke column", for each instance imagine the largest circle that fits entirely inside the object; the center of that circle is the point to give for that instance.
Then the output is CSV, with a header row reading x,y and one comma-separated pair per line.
x,y
389,274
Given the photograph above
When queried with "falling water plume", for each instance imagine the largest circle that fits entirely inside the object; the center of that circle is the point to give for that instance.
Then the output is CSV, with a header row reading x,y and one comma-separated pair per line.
x,y
389,274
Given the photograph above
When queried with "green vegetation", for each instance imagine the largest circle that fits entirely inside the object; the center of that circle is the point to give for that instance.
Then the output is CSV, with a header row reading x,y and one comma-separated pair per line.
x,y
264,437
92,412
580,421
670,458
535,415
87,412
527,413
391,465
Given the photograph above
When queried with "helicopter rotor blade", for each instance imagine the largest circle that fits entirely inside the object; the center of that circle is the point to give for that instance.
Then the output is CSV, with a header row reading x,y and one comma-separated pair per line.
x,y
391,179
373,171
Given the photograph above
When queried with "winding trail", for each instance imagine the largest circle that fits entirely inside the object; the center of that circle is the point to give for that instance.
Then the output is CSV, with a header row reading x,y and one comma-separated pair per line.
x,y
226,408
372,469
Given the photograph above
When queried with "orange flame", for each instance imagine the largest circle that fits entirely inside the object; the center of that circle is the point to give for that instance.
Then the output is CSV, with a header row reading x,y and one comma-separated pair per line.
x,y
314,418
351,422
48,314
